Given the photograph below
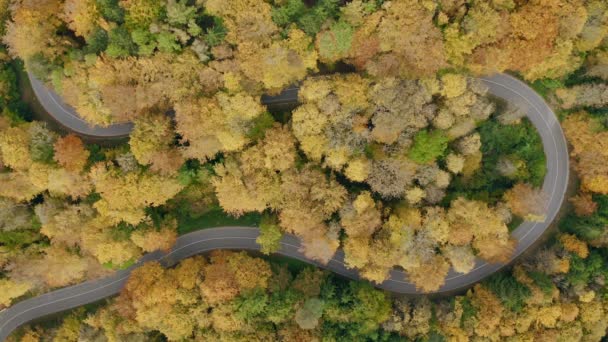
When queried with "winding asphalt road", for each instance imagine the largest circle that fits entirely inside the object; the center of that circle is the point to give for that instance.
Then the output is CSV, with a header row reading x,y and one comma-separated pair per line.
x,y
501,85
67,116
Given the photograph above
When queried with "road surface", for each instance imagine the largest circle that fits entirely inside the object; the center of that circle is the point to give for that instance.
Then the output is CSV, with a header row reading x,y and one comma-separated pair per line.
x,y
67,116
502,86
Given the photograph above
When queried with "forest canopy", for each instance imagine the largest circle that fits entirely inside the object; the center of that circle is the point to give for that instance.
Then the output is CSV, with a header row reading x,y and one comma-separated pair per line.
x,y
116,59
232,296
391,159
395,153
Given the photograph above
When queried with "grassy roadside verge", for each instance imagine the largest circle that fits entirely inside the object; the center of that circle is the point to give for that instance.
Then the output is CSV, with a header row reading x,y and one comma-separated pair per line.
x,y
216,218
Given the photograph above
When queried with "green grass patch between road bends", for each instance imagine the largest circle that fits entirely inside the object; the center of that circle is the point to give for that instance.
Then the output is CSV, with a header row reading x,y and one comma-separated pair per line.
x,y
544,86
519,143
588,227
260,125
543,281
19,238
512,293
469,311
515,222
428,146
335,43
294,266
309,19
216,217
582,271
124,266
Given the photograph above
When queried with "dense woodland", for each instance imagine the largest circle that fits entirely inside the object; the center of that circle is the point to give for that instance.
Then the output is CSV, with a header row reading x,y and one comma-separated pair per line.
x,y
395,153
398,168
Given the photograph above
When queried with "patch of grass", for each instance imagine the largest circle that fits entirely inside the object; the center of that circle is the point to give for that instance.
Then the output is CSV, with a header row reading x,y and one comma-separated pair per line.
x,y
436,336
260,125
91,198
428,146
543,281
124,266
15,105
515,222
294,266
512,293
122,231
216,217
579,77
215,34
336,42
520,143
19,238
308,18
468,310
583,271
588,227
546,85
96,154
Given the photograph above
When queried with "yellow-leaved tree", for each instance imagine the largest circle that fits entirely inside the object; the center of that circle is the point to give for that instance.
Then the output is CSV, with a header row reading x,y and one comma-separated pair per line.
x,y
125,195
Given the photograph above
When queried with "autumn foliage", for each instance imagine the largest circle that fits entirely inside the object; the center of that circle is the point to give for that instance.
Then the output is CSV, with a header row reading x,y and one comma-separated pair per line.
x,y
70,153
394,154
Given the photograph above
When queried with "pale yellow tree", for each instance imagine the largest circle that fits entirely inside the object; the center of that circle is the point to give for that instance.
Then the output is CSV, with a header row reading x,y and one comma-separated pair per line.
x,y
33,28
461,258
572,244
360,219
281,63
230,273
429,281
14,216
124,196
589,151
156,239
151,133
232,192
278,149
475,223
15,147
489,312
54,267
217,124
453,85
593,30
81,16
97,240
309,199
597,64
412,43
158,302
18,186
60,182
58,221
10,290
246,20
310,192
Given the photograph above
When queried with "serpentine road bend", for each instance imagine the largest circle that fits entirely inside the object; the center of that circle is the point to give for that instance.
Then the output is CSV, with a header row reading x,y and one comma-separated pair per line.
x,y
503,86
67,116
